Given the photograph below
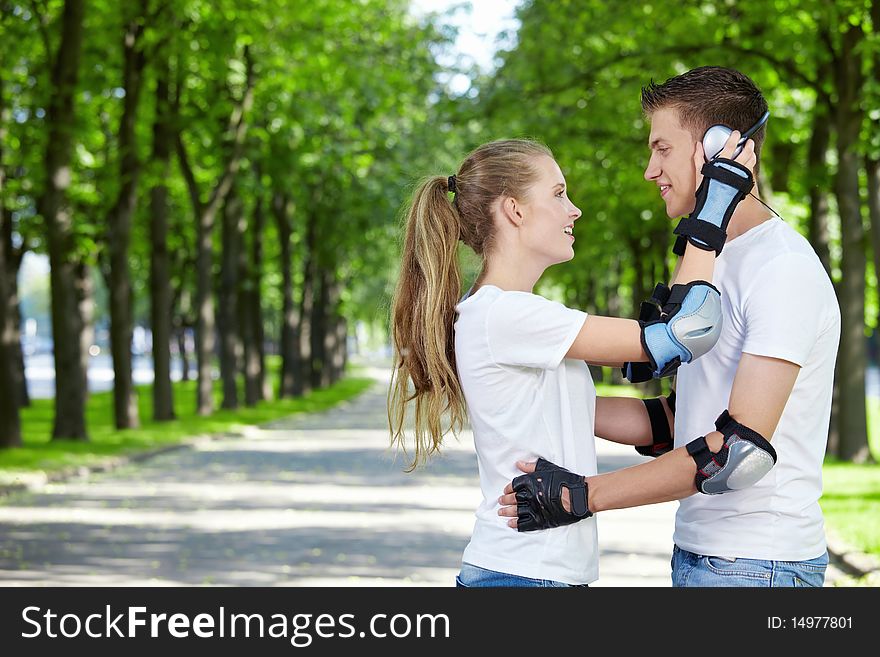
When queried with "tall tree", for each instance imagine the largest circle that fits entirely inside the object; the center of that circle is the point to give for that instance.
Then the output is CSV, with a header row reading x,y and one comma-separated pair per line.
x,y
206,213
10,421
160,266
68,274
848,78
119,217
233,231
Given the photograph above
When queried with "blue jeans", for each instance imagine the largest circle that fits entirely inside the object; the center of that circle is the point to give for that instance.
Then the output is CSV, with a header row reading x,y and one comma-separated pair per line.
x,y
476,577
689,569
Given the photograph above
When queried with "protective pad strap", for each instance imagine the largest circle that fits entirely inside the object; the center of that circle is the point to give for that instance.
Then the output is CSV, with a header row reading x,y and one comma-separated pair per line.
x,y
728,427
670,401
659,430
705,235
637,372
729,172
680,244
649,311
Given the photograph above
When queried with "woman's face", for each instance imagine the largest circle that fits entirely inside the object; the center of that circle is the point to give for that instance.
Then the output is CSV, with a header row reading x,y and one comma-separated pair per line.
x,y
549,215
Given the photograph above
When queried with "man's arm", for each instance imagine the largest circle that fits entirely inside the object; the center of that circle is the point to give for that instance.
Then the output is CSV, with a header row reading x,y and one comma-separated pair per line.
x,y
760,391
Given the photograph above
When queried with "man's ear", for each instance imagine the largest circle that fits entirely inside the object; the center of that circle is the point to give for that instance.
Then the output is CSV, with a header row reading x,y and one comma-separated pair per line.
x,y
511,211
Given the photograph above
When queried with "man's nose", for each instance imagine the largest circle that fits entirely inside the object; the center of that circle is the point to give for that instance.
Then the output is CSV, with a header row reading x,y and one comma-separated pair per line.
x,y
652,171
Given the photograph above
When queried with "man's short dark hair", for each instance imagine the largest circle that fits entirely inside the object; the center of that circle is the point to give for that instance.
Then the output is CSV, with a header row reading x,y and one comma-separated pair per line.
x,y
707,96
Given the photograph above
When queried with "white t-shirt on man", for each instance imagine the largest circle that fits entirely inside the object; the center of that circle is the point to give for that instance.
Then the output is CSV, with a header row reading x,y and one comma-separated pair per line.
x,y
777,301
525,401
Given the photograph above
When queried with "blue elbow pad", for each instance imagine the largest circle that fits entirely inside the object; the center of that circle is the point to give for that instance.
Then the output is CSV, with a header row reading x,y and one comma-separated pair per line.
x,y
690,327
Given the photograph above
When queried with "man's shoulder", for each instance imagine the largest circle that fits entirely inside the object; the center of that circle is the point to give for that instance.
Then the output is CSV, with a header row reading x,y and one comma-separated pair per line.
x,y
779,246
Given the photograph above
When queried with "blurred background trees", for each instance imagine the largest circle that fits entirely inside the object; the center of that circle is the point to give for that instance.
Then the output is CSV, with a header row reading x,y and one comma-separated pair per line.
x,y
226,178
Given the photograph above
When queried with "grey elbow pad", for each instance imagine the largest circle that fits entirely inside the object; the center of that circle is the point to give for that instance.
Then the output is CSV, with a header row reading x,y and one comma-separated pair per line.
x,y
742,461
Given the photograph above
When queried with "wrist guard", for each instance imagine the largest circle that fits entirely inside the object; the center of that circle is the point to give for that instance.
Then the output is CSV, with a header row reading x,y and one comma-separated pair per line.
x,y
725,184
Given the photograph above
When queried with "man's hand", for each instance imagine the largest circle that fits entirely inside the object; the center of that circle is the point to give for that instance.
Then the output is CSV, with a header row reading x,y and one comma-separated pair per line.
x,y
729,182
546,496
746,157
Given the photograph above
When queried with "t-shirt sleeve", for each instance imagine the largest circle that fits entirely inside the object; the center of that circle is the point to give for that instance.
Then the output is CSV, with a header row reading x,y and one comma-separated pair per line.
x,y
783,310
527,330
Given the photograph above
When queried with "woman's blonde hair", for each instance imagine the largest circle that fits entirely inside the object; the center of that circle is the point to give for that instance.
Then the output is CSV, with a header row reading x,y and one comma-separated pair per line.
x,y
423,310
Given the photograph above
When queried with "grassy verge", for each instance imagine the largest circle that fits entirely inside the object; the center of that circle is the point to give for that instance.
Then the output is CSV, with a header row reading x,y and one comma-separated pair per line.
x,y
39,453
851,493
851,503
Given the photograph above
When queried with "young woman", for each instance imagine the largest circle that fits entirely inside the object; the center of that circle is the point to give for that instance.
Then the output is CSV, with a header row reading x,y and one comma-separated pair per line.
x,y
514,362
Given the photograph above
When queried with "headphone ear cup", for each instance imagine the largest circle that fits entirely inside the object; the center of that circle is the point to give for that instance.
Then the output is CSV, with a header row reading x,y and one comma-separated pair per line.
x,y
714,140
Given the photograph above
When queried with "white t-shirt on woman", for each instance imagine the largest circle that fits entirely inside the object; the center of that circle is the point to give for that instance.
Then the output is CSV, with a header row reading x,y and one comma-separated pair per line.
x,y
525,400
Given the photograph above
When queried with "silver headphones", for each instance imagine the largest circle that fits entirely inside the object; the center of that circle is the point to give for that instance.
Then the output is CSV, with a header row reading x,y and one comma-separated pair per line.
x,y
716,137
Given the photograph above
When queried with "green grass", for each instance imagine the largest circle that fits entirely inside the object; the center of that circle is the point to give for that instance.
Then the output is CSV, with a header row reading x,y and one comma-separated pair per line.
x,y
851,493
851,503
39,453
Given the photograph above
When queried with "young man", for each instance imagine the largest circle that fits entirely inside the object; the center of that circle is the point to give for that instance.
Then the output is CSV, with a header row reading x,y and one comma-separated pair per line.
x,y
771,371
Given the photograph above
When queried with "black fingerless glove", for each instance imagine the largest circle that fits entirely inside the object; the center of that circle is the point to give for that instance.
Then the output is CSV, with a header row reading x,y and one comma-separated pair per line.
x,y
539,497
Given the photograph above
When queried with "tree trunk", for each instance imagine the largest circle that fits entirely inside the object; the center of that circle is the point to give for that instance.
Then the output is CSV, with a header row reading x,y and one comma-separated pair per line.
x,y
205,322
24,397
11,363
817,176
232,235
119,228
326,337
206,213
249,274
303,379
67,321
251,356
10,386
317,361
264,390
852,421
340,354
184,352
85,302
160,264
10,421
291,352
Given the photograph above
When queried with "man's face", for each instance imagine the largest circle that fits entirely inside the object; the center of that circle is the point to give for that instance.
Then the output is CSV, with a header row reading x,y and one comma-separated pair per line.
x,y
671,166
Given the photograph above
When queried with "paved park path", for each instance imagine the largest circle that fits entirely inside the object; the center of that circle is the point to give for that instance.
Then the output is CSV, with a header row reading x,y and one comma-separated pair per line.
x,y
312,500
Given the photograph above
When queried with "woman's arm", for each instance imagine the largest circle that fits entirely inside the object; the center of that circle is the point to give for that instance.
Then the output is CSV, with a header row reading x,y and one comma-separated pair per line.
x,y
625,420
612,340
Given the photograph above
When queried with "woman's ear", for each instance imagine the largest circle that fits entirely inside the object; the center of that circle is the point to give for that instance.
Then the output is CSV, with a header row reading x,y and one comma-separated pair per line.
x,y
511,211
